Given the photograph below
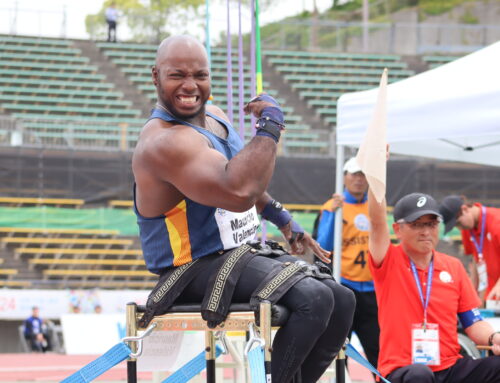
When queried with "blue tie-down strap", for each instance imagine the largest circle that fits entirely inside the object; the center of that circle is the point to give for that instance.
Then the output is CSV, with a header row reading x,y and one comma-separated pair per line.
x,y
256,363
111,358
191,368
351,352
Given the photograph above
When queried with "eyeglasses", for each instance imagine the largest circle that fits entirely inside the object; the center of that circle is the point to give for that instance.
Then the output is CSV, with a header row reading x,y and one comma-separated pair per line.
x,y
421,225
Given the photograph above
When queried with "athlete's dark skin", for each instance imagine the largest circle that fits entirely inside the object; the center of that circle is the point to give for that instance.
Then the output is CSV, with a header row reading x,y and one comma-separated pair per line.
x,y
173,161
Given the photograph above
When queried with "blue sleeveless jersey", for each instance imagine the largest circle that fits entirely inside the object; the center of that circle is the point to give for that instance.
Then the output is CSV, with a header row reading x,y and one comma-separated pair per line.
x,y
191,230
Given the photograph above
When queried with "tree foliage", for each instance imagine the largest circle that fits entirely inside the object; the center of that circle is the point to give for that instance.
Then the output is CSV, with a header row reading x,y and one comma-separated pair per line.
x,y
147,20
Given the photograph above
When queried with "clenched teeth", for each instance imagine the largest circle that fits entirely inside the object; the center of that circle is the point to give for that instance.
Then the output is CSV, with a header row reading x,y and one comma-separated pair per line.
x,y
188,100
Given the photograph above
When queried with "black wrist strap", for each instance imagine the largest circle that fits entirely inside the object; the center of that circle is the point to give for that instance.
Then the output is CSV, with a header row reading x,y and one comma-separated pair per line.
x,y
270,126
490,339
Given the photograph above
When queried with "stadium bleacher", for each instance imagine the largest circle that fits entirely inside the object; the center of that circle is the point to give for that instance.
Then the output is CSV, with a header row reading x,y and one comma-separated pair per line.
x,y
435,61
45,81
63,100
321,78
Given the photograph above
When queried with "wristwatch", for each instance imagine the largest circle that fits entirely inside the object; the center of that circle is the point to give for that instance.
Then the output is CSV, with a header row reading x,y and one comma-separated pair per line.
x,y
490,339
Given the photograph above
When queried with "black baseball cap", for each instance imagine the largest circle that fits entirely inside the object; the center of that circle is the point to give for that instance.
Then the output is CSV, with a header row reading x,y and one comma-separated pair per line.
x,y
413,206
449,209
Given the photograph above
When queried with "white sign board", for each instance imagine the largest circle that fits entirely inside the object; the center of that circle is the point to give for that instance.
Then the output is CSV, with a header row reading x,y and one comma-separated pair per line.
x,y
91,334
17,304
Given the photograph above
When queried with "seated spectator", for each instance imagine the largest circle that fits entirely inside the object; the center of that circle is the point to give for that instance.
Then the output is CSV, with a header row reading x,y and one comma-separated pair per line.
x,y
35,332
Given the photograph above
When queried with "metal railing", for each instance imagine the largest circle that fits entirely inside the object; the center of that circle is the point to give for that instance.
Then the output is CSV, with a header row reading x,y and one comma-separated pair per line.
x,y
68,134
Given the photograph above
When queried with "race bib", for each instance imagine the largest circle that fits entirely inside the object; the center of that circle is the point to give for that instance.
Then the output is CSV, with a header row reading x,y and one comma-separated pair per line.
x,y
482,274
236,228
425,344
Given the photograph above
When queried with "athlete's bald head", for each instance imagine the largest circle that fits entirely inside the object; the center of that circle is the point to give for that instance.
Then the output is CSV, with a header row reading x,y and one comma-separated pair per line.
x,y
181,76
177,45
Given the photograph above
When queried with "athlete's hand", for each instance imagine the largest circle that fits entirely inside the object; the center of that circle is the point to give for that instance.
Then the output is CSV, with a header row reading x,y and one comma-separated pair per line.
x,y
496,349
257,104
303,242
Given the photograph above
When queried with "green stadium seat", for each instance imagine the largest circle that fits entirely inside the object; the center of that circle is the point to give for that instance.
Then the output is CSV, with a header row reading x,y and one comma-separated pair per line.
x,y
12,73
63,100
330,86
69,110
17,40
57,83
44,58
348,71
348,56
332,79
313,94
336,63
29,65
68,93
43,50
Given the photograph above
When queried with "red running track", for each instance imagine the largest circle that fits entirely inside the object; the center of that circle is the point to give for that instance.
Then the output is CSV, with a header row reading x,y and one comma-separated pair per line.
x,y
52,367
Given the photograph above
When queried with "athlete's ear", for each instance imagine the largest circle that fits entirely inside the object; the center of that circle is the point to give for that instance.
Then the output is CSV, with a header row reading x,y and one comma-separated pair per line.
x,y
154,75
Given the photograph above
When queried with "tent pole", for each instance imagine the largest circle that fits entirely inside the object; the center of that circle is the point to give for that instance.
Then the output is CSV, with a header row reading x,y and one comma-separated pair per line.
x,y
337,233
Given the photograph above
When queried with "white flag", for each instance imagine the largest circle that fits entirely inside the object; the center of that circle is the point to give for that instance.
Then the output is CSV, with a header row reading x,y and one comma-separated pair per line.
x,y
371,155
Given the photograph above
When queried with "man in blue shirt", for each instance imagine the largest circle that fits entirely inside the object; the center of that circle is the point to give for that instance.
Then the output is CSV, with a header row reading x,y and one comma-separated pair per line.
x,y
34,332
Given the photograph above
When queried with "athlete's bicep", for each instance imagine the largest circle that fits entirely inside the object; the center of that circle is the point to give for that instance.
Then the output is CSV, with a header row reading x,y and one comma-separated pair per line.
x,y
198,171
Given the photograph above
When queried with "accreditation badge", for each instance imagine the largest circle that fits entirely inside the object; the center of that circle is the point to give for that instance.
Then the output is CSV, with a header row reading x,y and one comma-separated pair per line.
x,y
482,274
425,344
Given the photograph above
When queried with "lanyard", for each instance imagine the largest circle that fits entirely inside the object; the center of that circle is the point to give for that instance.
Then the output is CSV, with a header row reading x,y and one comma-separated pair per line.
x,y
425,302
479,246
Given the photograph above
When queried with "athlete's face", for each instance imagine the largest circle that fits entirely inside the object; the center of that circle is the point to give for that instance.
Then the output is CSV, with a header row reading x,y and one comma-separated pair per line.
x,y
418,237
182,80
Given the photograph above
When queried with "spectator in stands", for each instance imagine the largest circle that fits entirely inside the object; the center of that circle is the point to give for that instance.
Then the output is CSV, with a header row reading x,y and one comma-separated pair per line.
x,y
35,332
111,14
197,193
355,272
75,309
97,309
420,292
480,228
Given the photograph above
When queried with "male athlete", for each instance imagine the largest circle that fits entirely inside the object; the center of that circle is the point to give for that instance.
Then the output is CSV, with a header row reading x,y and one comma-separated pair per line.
x,y
197,194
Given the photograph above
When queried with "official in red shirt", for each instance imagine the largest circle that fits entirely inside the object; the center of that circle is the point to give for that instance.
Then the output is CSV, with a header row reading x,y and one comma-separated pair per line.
x,y
420,292
480,226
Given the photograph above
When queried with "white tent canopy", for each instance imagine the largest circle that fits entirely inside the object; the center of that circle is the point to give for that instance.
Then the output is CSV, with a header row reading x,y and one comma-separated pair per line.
x,y
451,112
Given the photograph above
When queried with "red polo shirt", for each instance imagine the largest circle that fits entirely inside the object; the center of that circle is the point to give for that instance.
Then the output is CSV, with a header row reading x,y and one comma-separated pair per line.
x,y
491,244
400,306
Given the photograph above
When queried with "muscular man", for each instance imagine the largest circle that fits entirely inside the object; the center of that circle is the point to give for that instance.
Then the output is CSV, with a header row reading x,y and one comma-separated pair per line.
x,y
355,273
480,227
197,193
420,292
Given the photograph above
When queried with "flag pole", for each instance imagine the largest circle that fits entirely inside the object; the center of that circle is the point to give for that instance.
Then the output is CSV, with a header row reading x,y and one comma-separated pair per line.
x,y
258,58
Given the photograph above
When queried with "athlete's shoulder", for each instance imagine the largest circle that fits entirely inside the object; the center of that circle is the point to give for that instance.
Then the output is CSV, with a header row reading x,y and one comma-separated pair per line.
x,y
167,140
215,110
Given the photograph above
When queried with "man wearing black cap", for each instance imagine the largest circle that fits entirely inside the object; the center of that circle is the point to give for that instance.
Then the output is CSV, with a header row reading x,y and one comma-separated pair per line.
x,y
420,292
480,227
